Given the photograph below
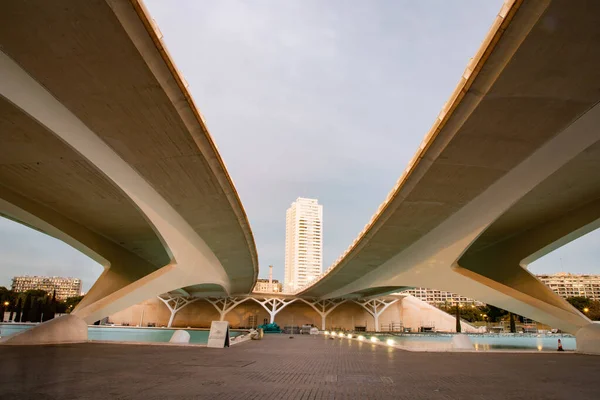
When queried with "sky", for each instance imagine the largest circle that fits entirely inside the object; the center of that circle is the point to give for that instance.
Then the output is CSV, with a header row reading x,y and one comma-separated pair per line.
x,y
309,98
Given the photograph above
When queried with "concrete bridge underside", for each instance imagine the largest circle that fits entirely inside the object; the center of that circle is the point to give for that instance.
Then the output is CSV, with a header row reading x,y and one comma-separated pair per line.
x,y
508,173
104,148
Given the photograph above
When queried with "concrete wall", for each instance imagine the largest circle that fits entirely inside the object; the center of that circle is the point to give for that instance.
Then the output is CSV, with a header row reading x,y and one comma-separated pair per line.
x,y
409,311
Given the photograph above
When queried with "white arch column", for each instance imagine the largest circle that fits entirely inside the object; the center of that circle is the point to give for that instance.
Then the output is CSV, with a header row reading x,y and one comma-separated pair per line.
x,y
273,305
175,303
375,307
324,307
225,304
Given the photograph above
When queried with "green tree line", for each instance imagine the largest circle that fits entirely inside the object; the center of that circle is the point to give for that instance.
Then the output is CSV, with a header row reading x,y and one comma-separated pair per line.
x,y
34,305
489,313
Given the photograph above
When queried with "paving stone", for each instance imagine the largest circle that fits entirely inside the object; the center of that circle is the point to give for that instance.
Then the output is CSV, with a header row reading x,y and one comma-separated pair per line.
x,y
303,368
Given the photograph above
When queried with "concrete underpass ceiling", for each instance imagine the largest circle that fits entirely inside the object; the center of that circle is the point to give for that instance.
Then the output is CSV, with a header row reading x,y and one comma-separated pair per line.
x,y
573,186
78,52
37,165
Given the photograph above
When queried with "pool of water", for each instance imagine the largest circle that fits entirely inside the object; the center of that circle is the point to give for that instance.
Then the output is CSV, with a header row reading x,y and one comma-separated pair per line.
x,y
124,334
484,342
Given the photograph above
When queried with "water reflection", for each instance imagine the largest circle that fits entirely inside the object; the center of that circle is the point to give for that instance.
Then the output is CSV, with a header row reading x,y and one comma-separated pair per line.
x,y
485,342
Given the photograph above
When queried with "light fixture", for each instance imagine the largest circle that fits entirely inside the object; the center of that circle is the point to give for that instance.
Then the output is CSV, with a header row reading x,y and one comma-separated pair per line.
x,y
349,336
390,342
361,337
326,333
374,339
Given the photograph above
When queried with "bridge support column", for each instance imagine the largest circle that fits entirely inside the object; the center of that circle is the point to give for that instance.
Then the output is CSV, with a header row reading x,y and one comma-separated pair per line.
x,y
167,278
225,304
588,339
175,303
273,306
375,307
323,308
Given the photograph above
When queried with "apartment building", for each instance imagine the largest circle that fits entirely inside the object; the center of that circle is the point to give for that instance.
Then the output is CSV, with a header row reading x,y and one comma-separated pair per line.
x,y
64,287
303,243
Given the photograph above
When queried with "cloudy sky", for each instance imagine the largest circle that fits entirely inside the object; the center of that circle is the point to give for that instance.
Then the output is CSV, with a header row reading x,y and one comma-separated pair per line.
x,y
309,98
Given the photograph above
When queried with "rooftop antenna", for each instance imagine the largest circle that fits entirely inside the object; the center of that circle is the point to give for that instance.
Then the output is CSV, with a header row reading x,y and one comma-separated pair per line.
x,y
562,268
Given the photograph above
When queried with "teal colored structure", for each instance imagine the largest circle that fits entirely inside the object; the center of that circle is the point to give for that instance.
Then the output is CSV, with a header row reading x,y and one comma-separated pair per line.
x,y
270,328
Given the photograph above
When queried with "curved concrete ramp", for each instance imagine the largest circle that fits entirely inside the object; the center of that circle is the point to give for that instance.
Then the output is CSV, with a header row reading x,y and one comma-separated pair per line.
x,y
507,173
65,329
104,148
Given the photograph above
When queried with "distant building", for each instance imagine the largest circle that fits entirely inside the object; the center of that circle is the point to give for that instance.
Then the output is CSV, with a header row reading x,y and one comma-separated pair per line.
x,y
263,286
573,285
65,287
268,285
562,283
440,297
303,243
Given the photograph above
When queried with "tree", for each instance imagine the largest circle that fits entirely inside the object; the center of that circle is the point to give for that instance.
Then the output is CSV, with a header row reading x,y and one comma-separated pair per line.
x,y
35,312
10,297
579,302
18,312
70,303
513,327
36,293
458,327
589,307
469,314
26,313
50,307
494,313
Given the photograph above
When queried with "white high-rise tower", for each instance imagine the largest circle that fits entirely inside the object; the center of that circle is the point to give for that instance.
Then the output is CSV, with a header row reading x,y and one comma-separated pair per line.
x,y
303,243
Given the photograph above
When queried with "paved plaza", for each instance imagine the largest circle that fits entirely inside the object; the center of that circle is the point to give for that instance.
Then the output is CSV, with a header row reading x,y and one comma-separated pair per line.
x,y
282,368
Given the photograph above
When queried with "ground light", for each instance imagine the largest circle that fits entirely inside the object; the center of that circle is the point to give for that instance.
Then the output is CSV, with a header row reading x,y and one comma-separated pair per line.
x,y
341,334
390,342
361,337
326,333
333,333
373,339
349,336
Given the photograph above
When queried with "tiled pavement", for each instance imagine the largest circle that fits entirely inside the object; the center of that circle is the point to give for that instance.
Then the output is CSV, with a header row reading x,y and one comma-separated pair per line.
x,y
282,368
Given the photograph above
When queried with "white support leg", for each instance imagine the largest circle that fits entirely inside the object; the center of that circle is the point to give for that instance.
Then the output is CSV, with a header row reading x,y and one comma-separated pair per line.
x,y
273,305
175,303
375,307
225,304
324,307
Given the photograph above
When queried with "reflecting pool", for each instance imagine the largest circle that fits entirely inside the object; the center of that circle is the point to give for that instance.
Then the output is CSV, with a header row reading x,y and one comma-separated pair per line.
x,y
124,333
